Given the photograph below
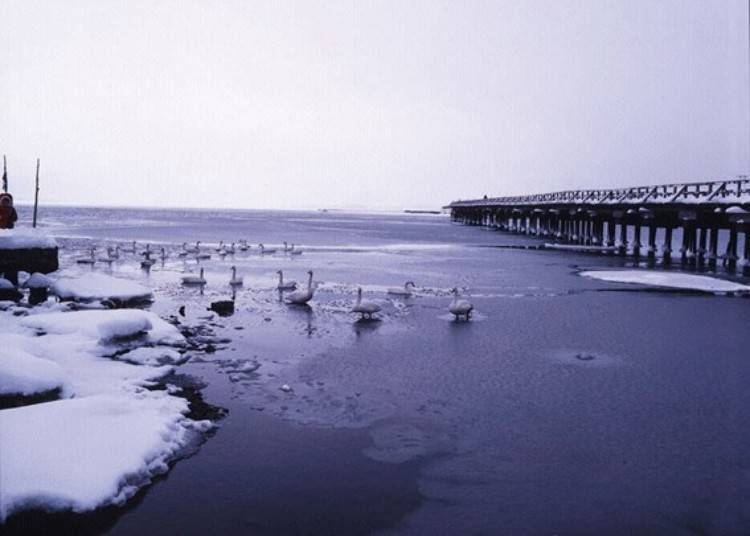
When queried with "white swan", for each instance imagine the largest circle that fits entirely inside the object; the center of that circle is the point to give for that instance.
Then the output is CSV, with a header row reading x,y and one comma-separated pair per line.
x,y
235,281
230,249
243,245
221,246
87,260
460,308
265,251
293,251
163,254
194,279
285,285
286,247
131,249
301,297
406,290
109,259
366,308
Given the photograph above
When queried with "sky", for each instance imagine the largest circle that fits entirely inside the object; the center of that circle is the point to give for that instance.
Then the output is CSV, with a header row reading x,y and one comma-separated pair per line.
x,y
367,104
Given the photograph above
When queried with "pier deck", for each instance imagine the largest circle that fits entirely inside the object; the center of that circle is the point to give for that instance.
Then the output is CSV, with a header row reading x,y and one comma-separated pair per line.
x,y
603,217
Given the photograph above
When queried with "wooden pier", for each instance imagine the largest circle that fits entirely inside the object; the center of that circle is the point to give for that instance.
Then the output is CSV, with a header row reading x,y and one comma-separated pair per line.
x,y
626,221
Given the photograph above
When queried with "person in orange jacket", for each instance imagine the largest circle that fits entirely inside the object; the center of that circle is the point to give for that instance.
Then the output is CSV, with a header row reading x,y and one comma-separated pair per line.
x,y
8,214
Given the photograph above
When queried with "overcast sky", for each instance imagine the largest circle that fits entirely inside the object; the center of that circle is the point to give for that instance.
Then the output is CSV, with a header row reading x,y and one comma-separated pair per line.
x,y
367,104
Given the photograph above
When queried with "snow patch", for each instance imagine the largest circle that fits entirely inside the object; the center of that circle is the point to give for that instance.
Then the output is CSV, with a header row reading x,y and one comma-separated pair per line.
x,y
109,435
89,452
25,239
26,374
94,286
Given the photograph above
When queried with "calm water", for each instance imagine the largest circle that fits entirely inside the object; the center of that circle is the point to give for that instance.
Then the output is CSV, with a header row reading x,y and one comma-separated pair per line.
x,y
563,408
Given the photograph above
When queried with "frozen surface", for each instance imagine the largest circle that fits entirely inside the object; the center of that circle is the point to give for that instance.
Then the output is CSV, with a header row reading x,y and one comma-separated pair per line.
x,y
25,239
96,286
667,279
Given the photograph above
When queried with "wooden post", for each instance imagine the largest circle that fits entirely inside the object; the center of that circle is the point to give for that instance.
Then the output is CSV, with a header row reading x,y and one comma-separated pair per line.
x,y
5,175
36,193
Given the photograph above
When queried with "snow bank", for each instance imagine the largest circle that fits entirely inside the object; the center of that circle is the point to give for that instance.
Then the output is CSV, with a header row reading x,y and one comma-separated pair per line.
x,y
84,453
109,435
667,279
24,374
103,325
25,239
94,286
37,280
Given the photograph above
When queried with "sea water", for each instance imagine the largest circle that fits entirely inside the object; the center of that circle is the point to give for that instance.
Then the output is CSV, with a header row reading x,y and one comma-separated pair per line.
x,y
567,405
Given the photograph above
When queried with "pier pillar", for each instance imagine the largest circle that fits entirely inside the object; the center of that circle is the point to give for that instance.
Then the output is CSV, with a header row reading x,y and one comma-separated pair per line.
x,y
637,239
611,232
667,249
701,252
651,251
685,239
713,246
731,258
622,246
746,253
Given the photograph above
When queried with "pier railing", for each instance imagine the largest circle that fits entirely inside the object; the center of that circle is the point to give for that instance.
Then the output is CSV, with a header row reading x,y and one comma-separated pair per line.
x,y
714,192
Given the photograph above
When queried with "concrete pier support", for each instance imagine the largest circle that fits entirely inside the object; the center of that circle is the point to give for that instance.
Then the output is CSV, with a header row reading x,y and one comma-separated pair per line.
x,y
637,239
701,252
611,227
667,249
651,251
622,245
731,256
713,247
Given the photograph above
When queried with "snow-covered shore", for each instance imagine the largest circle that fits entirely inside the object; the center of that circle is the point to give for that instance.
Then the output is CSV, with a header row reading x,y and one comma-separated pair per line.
x,y
108,434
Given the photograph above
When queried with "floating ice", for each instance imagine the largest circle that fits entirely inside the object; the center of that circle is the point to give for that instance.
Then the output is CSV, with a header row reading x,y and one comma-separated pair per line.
x,y
667,279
